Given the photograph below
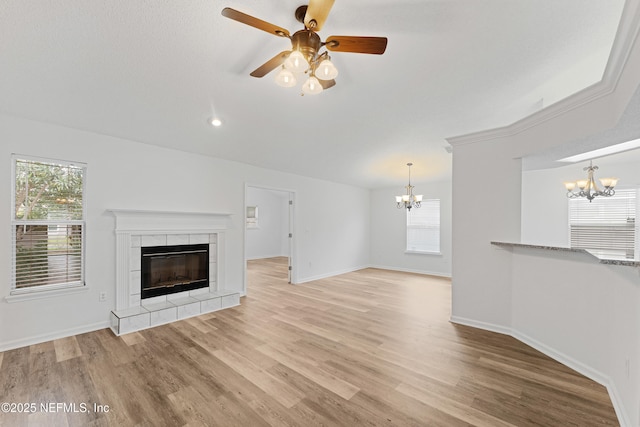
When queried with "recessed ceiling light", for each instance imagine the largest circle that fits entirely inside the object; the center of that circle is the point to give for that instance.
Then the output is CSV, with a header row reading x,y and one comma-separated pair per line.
x,y
216,122
601,152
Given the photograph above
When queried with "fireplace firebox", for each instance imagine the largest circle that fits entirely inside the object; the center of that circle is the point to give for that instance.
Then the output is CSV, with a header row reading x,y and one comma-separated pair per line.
x,y
171,269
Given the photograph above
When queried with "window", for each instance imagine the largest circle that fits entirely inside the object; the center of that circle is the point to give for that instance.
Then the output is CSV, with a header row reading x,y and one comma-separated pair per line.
x,y
605,224
48,224
423,227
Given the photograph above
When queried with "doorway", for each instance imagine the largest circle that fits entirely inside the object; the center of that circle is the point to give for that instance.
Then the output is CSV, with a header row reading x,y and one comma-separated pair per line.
x,y
268,235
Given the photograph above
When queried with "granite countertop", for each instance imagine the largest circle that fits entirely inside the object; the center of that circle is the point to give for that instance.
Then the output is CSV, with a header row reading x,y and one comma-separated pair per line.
x,y
604,257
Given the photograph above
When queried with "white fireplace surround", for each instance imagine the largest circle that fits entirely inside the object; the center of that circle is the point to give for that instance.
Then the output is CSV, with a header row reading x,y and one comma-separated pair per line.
x,y
141,228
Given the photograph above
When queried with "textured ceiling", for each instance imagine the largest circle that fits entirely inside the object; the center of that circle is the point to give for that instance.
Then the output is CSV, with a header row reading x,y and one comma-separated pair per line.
x,y
156,71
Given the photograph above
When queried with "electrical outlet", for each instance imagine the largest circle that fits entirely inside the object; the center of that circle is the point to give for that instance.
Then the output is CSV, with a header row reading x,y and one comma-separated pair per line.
x,y
103,296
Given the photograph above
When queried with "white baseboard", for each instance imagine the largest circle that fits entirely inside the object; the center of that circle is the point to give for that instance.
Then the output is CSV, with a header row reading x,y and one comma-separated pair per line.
x,y
382,267
254,258
480,325
326,275
410,270
23,342
558,356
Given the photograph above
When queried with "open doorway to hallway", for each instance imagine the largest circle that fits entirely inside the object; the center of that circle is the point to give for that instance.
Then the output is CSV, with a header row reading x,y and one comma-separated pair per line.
x,y
268,235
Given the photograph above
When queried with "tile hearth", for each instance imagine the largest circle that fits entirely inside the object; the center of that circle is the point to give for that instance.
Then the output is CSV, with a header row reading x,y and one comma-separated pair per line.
x,y
136,229
147,316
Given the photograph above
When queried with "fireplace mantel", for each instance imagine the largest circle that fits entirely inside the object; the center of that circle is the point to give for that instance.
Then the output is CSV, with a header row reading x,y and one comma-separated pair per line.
x,y
135,229
150,222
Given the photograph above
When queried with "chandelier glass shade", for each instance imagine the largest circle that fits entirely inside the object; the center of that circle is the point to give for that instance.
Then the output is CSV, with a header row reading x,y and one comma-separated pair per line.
x,y
409,200
588,188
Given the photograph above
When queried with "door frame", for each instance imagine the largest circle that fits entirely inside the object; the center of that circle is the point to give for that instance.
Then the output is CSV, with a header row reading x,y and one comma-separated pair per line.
x,y
293,271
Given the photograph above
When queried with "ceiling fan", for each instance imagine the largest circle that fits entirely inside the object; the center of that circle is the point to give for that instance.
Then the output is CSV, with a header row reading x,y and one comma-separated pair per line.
x,y
305,56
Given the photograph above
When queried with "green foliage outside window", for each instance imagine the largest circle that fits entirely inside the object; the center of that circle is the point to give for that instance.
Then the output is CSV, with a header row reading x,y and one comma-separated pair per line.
x,y
48,223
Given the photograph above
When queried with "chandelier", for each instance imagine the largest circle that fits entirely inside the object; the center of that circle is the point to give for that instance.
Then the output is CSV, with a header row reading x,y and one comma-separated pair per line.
x,y
409,200
588,187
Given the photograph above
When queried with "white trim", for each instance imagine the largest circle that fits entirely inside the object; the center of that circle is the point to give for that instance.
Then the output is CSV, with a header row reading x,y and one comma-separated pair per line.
x,y
44,290
148,222
621,50
38,339
25,295
327,275
601,152
422,252
491,327
580,367
132,224
175,231
266,257
558,356
411,270
49,160
291,213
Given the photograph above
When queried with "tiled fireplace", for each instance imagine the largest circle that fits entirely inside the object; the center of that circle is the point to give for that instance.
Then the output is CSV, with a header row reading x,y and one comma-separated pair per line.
x,y
142,232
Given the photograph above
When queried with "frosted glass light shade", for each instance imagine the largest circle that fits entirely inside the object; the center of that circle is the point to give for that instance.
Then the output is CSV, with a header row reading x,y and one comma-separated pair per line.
x,y
326,70
570,185
296,62
398,199
285,78
582,184
311,86
608,182
405,198
418,197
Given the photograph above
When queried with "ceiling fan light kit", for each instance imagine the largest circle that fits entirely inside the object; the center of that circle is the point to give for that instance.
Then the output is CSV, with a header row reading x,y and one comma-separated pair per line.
x,y
296,62
326,70
285,78
311,86
305,56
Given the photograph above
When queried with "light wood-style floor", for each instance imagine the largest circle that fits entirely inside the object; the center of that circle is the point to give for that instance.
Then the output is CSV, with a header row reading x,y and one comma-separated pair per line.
x,y
370,348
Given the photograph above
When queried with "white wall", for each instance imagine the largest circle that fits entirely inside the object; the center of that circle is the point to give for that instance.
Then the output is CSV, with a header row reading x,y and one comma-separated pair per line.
x,y
129,175
572,308
269,239
510,291
584,314
388,231
481,288
544,201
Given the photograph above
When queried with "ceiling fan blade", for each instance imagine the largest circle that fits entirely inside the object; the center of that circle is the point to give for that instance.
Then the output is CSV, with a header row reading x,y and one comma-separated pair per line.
x,y
374,45
326,84
317,13
271,64
254,22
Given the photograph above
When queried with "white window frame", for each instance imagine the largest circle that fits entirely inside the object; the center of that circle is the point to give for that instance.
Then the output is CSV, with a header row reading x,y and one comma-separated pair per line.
x,y
433,207
43,291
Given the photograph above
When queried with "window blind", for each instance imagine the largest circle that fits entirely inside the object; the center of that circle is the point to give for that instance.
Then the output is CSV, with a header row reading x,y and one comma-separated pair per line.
x,y
48,224
606,223
423,227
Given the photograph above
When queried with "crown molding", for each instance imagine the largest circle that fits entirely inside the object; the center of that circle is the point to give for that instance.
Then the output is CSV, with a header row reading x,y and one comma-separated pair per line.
x,y
625,40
